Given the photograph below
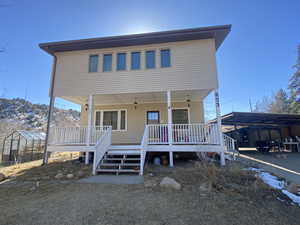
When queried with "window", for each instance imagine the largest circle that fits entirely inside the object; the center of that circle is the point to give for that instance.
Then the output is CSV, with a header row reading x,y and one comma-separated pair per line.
x,y
153,117
110,118
107,62
135,60
165,56
115,118
150,59
180,116
123,120
93,63
121,61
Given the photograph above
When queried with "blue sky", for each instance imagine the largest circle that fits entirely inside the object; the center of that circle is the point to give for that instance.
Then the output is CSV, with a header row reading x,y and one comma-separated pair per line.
x,y
255,60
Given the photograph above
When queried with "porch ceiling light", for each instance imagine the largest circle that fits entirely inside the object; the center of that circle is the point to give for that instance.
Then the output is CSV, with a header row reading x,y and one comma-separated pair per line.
x,y
135,104
188,101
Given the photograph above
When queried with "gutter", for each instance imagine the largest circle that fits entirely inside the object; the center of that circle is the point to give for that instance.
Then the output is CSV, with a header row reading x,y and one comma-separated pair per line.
x,y
51,106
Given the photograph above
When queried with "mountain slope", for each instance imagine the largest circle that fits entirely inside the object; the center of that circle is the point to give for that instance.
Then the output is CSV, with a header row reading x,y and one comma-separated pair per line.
x,y
34,116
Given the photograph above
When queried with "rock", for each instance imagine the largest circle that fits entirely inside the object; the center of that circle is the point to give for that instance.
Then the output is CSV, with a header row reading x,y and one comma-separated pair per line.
x,y
205,187
2,177
59,176
198,164
45,178
150,183
70,176
168,182
293,188
80,173
32,188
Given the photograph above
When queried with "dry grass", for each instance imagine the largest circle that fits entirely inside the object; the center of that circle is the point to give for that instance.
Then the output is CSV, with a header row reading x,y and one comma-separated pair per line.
x,y
58,163
233,179
236,196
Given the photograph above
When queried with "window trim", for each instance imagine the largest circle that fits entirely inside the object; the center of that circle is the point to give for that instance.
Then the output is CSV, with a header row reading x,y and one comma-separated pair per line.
x,y
160,58
112,62
89,63
125,61
155,63
151,111
140,52
119,118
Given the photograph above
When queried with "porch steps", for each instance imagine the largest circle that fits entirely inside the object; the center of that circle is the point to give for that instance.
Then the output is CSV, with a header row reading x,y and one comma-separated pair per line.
x,y
120,160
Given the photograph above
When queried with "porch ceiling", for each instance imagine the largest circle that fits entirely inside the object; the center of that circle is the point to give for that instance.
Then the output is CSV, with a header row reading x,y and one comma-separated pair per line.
x,y
147,97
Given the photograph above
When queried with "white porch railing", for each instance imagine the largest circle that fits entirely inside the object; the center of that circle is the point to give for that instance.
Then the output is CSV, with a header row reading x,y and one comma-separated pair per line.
x,y
102,146
144,146
75,135
184,134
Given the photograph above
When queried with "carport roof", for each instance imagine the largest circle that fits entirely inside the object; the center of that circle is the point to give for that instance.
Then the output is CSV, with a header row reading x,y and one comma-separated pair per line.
x,y
252,118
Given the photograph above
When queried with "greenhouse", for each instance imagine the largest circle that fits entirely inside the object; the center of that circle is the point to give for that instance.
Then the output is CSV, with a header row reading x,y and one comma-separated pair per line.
x,y
22,146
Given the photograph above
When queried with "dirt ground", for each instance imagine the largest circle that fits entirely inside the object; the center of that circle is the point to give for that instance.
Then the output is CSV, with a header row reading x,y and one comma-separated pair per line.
x,y
209,195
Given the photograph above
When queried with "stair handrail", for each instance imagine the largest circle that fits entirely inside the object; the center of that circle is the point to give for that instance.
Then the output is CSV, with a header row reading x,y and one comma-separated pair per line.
x,y
230,145
144,146
101,148
229,142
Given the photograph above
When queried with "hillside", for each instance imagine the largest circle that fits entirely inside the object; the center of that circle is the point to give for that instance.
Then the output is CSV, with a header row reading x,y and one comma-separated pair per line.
x,y
21,114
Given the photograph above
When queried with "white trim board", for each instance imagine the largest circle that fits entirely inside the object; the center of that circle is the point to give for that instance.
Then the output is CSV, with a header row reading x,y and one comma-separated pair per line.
x,y
185,148
70,148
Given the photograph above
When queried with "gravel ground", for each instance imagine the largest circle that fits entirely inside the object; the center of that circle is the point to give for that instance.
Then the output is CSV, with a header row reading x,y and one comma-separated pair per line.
x,y
235,197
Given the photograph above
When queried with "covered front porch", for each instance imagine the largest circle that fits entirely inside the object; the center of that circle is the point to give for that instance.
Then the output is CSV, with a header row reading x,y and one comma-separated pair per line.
x,y
170,121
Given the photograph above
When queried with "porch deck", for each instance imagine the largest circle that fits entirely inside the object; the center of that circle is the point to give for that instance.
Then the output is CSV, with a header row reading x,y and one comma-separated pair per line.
x,y
156,138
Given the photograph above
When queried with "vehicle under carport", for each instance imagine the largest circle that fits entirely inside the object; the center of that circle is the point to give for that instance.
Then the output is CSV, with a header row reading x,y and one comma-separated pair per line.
x,y
263,131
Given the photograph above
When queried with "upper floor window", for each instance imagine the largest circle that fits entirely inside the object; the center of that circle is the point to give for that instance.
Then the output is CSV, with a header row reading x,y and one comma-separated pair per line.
x,y
135,60
107,62
165,58
150,59
121,61
93,63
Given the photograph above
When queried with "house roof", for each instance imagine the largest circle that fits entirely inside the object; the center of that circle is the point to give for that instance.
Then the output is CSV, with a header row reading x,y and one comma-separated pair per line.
x,y
250,118
219,33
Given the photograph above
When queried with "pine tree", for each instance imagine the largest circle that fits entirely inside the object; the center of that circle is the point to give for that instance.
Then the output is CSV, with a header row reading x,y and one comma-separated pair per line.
x,y
280,102
294,87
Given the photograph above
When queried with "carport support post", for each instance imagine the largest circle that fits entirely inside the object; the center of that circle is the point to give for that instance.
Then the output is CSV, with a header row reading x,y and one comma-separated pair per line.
x,y
219,125
170,137
90,125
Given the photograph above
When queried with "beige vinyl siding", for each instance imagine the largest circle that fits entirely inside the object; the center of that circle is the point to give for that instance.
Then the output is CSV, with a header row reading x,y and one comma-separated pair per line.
x,y
193,66
136,118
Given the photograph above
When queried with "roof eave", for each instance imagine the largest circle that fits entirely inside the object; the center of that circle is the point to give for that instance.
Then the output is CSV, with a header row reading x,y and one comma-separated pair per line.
x,y
219,33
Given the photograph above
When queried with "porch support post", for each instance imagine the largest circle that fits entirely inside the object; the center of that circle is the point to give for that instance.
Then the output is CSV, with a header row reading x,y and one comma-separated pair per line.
x,y
90,125
219,125
170,137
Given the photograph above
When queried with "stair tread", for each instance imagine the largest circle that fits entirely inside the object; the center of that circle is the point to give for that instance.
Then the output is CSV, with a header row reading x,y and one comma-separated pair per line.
x,y
119,164
125,159
117,170
117,152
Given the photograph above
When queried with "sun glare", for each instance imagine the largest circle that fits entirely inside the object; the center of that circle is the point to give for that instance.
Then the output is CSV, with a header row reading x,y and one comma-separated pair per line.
x,y
139,29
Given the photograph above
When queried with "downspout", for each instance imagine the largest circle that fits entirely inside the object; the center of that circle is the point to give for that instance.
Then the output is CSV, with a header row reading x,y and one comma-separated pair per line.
x,y
51,105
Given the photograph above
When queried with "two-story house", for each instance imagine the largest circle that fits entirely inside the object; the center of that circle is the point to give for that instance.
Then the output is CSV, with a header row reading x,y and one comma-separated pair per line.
x,y
138,93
